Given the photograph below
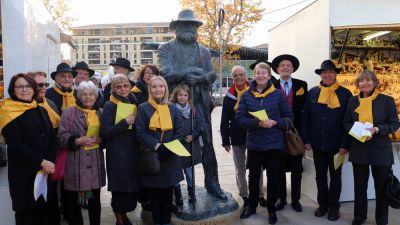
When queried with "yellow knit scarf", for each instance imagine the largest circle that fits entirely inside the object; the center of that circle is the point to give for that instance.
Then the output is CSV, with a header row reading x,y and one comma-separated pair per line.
x,y
68,98
239,95
262,95
11,109
54,117
114,100
161,118
92,119
364,110
328,96
135,89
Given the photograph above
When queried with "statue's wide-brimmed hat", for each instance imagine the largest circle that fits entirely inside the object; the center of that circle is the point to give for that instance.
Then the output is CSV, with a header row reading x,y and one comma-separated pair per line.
x,y
185,16
63,68
83,66
327,65
279,59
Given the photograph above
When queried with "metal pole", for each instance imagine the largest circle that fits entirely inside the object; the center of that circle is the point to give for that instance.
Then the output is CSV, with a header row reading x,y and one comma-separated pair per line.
x,y
343,46
193,150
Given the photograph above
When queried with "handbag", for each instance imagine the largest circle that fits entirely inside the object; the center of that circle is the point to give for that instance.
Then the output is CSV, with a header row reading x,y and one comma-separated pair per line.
x,y
61,157
293,143
392,185
149,163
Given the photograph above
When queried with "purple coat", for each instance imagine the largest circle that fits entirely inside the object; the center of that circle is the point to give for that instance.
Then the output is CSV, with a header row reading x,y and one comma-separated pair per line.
x,y
84,170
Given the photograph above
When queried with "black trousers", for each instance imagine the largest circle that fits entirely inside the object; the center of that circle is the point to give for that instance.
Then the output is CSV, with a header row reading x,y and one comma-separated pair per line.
x,y
293,164
33,216
74,208
161,204
361,175
272,162
53,208
327,196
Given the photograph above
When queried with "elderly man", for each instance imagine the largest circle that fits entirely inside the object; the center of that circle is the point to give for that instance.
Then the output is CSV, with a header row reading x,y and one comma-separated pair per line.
x,y
120,66
62,93
83,73
295,91
233,136
324,134
183,60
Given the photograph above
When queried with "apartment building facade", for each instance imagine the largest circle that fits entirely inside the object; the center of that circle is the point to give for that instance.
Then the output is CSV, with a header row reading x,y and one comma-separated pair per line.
x,y
100,44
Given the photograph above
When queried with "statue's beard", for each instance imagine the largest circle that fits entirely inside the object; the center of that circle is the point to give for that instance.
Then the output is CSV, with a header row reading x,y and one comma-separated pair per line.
x,y
186,36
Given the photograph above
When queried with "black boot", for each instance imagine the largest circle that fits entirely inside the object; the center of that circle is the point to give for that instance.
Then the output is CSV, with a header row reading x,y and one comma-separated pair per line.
x,y
192,198
178,196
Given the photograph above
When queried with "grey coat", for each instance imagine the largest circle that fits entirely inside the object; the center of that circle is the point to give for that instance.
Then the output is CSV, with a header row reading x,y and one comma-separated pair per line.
x,y
378,150
122,155
171,168
84,169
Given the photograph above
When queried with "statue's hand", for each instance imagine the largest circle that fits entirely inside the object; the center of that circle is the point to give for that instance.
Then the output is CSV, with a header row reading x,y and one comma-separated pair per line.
x,y
197,70
192,79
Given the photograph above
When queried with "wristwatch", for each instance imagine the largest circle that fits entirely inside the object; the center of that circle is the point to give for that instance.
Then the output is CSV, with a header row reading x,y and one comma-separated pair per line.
x,y
376,130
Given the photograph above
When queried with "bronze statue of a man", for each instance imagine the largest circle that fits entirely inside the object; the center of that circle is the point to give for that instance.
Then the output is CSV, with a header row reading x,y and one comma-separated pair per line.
x,y
183,60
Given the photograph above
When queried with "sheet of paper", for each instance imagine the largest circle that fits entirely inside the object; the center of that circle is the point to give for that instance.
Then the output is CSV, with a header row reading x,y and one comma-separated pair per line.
x,y
93,131
338,160
40,186
177,148
360,131
260,115
124,110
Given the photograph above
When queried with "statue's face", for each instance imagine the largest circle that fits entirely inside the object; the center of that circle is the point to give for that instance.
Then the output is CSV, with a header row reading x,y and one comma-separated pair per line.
x,y
186,32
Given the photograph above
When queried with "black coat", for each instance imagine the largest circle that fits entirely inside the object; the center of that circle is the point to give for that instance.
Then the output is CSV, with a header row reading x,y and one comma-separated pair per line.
x,y
30,139
378,150
171,168
322,127
231,133
57,98
142,96
107,92
298,99
122,154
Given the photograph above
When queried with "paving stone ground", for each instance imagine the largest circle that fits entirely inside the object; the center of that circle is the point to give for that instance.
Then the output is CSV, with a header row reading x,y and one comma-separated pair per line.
x,y
227,180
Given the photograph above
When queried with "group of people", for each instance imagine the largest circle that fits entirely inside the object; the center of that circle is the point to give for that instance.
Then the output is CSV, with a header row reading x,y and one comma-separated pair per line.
x,y
39,122
323,115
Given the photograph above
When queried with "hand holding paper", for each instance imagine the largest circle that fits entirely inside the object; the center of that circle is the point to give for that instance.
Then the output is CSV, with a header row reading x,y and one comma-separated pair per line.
x,y
124,110
40,186
176,147
260,115
361,131
93,131
338,160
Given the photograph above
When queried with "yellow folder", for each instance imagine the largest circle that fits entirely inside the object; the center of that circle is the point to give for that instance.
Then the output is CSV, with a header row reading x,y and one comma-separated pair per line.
x,y
260,115
176,147
124,110
338,160
93,131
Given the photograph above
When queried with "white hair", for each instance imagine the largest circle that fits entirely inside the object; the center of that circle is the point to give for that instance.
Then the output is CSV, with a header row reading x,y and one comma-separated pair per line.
x,y
87,86
235,67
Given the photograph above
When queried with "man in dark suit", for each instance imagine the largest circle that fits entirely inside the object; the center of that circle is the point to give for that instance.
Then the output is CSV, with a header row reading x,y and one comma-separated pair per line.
x,y
296,91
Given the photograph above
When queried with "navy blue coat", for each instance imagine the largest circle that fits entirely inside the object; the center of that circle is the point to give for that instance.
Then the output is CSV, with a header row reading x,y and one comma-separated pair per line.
x,y
171,168
277,108
322,127
231,133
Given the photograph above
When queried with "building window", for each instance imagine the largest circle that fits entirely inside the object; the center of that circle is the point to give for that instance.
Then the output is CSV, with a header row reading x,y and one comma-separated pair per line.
x,y
76,56
147,55
146,39
94,48
94,40
94,62
147,61
105,61
118,31
94,56
149,30
105,55
83,56
126,55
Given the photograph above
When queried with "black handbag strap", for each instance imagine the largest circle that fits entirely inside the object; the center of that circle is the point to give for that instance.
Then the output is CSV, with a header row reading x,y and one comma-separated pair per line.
x,y
289,124
396,142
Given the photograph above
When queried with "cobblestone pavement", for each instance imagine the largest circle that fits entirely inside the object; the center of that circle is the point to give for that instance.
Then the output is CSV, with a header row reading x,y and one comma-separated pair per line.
x,y
228,183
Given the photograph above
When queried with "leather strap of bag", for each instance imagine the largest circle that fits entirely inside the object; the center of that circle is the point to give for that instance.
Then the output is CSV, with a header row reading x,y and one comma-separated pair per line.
x,y
288,122
396,142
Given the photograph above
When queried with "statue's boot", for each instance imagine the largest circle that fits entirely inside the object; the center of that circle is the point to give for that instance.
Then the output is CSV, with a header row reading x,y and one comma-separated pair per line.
x,y
217,192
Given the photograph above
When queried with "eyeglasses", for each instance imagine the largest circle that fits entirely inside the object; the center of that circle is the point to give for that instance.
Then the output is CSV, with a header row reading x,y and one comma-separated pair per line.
x,y
23,87
122,86
42,85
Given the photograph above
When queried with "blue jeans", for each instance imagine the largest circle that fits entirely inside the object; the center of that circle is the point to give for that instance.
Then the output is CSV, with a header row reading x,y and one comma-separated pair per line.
x,y
188,176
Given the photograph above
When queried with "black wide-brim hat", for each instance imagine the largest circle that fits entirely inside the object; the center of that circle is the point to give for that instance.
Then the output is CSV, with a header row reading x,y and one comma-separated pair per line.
x,y
123,63
63,68
185,16
83,66
327,65
252,66
279,59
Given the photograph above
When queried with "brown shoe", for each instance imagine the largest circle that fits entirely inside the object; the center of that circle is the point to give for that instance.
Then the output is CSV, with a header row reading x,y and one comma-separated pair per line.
x,y
321,211
333,214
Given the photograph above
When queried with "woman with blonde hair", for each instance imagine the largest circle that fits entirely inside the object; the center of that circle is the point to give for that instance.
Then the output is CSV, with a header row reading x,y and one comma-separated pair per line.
x,y
158,123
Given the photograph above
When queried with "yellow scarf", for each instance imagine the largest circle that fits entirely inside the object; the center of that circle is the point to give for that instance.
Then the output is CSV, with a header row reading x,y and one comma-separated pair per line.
x,y
136,90
364,110
239,95
262,95
114,100
161,118
68,98
92,119
11,109
328,96
54,117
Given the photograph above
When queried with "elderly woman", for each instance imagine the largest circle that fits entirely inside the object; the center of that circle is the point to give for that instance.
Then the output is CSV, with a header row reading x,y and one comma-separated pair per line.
x,y
84,169
140,88
122,149
31,143
265,138
376,152
158,123
233,136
